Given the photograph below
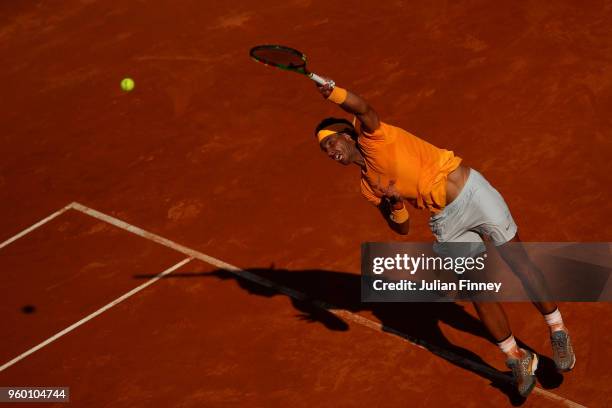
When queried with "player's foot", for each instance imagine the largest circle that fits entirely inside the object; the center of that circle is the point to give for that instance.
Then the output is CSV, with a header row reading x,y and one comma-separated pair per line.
x,y
563,352
523,371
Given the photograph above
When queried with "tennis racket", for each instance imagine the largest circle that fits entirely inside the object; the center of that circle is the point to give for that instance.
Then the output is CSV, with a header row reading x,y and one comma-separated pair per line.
x,y
287,59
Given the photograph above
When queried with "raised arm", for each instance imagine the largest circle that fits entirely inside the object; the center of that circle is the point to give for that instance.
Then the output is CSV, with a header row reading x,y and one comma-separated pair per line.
x,y
353,104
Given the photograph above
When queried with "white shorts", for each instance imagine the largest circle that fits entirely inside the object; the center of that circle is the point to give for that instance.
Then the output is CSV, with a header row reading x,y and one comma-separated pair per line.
x,y
478,211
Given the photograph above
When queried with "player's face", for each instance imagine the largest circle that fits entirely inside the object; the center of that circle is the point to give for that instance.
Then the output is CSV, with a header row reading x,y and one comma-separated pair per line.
x,y
339,147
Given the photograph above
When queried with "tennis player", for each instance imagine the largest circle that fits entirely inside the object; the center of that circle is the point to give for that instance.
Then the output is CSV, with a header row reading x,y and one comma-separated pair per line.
x,y
398,168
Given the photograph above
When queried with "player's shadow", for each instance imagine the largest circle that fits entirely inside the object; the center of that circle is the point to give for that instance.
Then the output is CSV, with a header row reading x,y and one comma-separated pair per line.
x,y
417,322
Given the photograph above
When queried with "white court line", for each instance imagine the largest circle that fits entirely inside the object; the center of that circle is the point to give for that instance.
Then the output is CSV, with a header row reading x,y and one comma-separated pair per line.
x,y
33,227
152,237
193,254
345,314
96,313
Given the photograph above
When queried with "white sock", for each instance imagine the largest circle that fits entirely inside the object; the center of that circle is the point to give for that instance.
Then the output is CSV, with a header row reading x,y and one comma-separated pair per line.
x,y
554,320
509,347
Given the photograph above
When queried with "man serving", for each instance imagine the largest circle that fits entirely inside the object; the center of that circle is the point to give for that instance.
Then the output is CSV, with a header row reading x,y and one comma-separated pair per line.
x,y
398,168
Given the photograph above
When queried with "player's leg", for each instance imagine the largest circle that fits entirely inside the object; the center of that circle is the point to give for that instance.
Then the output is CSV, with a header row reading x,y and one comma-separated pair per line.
x,y
523,363
452,228
500,227
514,254
517,258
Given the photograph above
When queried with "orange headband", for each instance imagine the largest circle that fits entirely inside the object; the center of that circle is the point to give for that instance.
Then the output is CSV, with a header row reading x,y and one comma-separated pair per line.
x,y
331,130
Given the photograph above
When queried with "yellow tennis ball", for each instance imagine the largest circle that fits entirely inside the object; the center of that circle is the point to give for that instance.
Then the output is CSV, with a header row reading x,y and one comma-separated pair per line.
x,y
127,84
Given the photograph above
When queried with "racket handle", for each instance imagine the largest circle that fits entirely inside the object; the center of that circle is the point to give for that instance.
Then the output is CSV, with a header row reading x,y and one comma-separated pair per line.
x,y
319,80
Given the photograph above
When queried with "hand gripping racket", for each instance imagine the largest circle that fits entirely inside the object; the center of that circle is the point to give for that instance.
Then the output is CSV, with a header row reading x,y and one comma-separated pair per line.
x,y
287,59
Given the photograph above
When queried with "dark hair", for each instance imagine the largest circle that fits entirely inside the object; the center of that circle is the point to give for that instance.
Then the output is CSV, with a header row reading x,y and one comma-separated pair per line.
x,y
331,120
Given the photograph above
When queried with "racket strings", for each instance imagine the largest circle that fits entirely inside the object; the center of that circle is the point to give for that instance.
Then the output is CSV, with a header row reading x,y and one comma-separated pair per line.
x,y
279,57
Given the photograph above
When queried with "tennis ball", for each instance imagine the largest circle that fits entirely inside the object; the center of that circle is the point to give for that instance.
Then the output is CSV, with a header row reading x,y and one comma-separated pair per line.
x,y
127,84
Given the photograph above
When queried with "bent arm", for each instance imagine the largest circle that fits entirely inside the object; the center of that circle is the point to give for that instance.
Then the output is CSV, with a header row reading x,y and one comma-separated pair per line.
x,y
390,203
356,105
387,209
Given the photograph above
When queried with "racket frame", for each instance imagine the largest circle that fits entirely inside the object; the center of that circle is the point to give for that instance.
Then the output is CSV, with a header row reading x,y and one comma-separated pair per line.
x,y
301,69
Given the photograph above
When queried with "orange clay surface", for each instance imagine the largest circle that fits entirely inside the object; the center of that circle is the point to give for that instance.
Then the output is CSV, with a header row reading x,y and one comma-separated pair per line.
x,y
216,152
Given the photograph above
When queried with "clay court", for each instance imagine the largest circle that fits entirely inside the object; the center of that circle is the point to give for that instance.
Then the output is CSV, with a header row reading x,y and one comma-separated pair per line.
x,y
187,244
